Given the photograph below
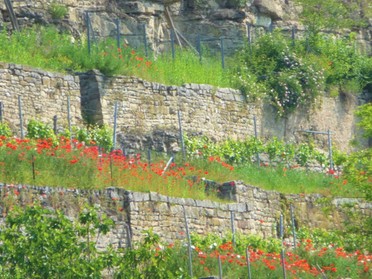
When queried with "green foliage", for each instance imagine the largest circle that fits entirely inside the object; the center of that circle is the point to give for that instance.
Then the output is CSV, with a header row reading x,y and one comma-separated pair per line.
x,y
364,113
41,243
148,260
5,129
96,135
334,14
57,11
289,80
39,130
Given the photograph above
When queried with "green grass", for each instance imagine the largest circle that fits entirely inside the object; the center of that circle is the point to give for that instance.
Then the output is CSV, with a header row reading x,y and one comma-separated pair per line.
x,y
48,49
44,164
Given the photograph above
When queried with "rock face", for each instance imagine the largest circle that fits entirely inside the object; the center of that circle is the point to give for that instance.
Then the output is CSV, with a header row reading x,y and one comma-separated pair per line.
x,y
205,18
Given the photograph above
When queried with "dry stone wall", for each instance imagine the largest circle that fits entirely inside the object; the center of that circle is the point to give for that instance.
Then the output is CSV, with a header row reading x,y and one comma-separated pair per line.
x,y
43,95
147,107
254,211
219,113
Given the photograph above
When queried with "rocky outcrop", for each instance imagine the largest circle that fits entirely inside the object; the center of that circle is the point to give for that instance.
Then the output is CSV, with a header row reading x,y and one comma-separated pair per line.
x,y
206,18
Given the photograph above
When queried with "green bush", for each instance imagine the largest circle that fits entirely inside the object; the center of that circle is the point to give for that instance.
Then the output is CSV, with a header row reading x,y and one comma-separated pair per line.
x,y
58,11
287,79
5,130
39,130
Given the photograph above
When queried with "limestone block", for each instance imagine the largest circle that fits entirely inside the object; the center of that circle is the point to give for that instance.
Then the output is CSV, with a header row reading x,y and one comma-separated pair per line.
x,y
272,8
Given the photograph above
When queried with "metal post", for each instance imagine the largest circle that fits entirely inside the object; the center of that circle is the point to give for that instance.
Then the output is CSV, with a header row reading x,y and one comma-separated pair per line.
x,y
222,54
1,111
88,31
55,124
20,115
167,165
118,32
181,135
293,35
111,174
247,257
198,47
293,226
145,39
256,135
69,119
115,121
33,166
172,44
330,149
282,252
232,220
149,157
249,34
188,241
219,267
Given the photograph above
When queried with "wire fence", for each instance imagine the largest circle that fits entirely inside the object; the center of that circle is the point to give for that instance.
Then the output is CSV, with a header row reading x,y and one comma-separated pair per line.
x,y
204,45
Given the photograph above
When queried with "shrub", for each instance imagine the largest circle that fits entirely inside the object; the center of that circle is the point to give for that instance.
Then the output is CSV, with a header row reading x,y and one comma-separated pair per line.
x,y
57,11
5,130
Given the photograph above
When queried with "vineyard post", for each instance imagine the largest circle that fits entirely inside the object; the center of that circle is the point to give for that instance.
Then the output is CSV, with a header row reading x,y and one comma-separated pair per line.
x,y
219,267
282,251
247,254
249,34
198,47
55,124
145,39
293,226
222,53
69,119
117,21
255,135
88,31
232,219
1,112
330,149
33,166
188,241
115,123
181,135
172,44
293,35
20,115
149,157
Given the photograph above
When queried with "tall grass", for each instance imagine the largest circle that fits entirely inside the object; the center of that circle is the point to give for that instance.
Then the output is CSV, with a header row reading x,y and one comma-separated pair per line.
x,y
42,162
51,50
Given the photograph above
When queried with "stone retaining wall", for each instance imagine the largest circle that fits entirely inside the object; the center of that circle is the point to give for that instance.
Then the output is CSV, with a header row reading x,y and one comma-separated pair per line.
x,y
255,211
43,95
145,107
